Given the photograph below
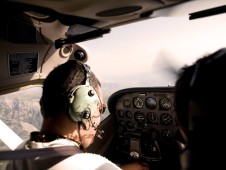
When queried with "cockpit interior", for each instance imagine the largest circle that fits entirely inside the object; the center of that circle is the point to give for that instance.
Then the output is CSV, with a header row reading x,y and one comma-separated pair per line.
x,y
136,48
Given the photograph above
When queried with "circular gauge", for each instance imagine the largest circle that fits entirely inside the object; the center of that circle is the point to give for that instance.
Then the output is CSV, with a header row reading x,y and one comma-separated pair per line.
x,y
165,103
138,102
152,118
128,114
129,124
121,123
166,119
120,113
139,117
167,134
151,103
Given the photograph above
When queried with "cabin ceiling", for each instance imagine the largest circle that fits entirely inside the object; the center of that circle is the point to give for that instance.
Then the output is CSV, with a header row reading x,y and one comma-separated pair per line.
x,y
98,13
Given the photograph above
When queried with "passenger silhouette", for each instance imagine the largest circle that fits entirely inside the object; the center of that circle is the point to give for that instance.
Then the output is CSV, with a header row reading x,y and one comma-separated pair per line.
x,y
200,93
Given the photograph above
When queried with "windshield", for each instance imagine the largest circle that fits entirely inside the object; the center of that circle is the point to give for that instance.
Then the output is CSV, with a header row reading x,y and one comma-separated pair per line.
x,y
150,53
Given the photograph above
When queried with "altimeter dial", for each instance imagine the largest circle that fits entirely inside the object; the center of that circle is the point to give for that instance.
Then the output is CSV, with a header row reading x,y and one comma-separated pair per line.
x,y
166,119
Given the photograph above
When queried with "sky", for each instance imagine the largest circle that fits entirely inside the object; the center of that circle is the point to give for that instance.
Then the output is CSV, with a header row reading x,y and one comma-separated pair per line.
x,y
151,52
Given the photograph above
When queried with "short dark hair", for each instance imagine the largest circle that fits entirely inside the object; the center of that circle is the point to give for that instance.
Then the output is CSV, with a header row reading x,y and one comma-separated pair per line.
x,y
59,83
182,95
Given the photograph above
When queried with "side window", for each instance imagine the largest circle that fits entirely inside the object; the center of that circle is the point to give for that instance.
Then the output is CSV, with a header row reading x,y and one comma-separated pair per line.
x,y
19,115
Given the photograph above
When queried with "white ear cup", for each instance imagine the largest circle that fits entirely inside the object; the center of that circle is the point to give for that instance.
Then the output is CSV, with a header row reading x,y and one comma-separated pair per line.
x,y
83,103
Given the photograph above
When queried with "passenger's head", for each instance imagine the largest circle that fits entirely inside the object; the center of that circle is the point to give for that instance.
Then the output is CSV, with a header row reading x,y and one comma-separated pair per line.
x,y
200,105
59,84
201,84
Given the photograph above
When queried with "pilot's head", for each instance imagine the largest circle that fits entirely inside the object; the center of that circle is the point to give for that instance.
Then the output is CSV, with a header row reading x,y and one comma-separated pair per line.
x,y
72,100
200,106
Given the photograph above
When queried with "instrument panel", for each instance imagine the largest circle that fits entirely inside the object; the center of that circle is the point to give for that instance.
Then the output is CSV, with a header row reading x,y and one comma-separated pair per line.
x,y
146,123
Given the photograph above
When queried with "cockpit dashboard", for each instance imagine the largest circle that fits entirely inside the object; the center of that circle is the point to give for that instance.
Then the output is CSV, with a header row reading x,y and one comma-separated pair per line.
x,y
144,125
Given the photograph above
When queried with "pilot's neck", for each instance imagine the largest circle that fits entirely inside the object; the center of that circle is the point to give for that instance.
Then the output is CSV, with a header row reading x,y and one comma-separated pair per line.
x,y
62,126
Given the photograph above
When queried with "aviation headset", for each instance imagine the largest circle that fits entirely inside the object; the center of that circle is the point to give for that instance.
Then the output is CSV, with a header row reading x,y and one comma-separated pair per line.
x,y
83,100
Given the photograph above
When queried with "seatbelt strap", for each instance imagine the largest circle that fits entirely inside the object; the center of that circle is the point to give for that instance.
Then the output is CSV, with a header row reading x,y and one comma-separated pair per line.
x,y
40,152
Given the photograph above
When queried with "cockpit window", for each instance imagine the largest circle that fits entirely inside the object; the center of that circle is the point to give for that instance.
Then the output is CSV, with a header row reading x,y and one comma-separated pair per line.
x,y
20,114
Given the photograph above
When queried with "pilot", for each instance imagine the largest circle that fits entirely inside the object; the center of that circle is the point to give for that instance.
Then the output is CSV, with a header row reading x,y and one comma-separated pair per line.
x,y
200,106
71,105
